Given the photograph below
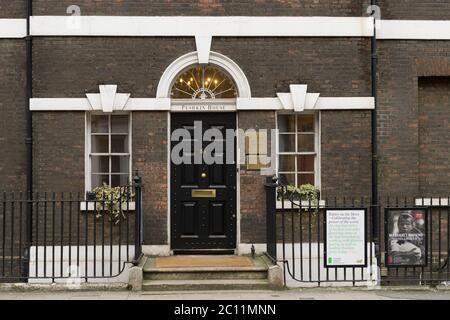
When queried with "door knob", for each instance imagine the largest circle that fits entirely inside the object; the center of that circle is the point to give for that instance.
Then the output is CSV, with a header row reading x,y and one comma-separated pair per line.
x,y
204,175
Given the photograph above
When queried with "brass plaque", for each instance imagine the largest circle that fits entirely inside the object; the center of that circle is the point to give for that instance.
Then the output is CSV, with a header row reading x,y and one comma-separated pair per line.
x,y
204,193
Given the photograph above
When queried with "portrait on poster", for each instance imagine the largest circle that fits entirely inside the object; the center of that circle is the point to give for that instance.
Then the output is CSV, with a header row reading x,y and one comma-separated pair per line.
x,y
406,240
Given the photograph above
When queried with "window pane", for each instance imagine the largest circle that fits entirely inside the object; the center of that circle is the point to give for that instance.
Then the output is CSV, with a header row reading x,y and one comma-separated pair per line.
x,y
286,123
306,123
306,143
98,180
119,180
120,164
99,124
287,179
305,163
305,179
287,142
100,164
119,144
287,163
100,144
119,124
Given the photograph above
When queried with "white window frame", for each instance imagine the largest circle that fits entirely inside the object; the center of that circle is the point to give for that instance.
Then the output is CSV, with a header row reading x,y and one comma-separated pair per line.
x,y
88,145
317,145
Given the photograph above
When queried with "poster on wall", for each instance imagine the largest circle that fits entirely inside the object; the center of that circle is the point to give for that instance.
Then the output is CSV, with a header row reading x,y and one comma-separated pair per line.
x,y
345,238
406,240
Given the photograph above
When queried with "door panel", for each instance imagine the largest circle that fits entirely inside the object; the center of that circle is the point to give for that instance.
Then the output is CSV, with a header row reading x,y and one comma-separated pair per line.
x,y
208,221
190,219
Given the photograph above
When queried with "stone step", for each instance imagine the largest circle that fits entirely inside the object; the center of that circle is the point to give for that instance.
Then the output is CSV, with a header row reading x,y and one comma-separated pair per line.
x,y
205,274
256,269
205,285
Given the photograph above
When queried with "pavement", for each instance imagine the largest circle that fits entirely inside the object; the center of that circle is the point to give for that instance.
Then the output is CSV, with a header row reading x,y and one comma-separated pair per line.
x,y
293,294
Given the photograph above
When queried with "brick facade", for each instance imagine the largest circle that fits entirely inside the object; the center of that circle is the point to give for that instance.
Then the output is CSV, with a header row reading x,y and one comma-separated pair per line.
x,y
253,194
150,160
401,63
13,9
59,151
205,7
414,9
346,153
12,115
413,100
434,135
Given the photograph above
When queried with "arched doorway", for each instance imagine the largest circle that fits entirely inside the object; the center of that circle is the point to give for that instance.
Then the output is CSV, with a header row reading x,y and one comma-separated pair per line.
x,y
203,194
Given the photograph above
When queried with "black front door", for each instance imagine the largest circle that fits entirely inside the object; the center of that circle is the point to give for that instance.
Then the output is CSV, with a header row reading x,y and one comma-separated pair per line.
x,y
203,194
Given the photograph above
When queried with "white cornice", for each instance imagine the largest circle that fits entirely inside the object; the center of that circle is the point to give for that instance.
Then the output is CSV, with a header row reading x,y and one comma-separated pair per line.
x,y
414,30
203,28
231,26
13,28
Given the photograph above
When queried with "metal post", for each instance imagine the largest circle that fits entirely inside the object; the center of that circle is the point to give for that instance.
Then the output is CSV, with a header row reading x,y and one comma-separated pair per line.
x,y
375,195
271,224
29,146
138,223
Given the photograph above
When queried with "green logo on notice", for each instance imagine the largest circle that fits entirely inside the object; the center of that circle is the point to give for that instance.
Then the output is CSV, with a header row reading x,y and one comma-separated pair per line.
x,y
330,260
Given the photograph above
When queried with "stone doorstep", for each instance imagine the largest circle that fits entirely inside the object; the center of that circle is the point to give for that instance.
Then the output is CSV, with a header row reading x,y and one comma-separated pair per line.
x,y
190,280
259,265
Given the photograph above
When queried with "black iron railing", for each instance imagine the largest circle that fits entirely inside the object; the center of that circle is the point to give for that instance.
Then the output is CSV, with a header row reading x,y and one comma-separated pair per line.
x,y
63,235
421,258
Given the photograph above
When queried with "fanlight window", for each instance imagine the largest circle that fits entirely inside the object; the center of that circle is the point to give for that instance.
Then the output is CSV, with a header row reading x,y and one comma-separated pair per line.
x,y
203,82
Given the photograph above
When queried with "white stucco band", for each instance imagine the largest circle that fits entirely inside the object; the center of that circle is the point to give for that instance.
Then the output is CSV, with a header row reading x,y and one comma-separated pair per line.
x,y
164,104
13,28
203,28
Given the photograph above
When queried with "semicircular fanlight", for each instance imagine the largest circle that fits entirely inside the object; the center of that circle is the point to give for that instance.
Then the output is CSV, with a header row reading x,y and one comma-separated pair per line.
x,y
203,82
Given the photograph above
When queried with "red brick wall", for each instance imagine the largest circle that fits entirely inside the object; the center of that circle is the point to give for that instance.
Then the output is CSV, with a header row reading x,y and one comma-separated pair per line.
x,y
59,151
415,9
150,159
205,7
346,153
13,9
253,196
135,64
434,136
401,63
12,115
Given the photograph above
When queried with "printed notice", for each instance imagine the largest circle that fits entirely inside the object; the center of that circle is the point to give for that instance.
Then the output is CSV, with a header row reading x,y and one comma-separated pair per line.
x,y
345,238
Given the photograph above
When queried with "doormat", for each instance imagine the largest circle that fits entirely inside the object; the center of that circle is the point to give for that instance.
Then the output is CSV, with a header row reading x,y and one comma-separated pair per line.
x,y
202,261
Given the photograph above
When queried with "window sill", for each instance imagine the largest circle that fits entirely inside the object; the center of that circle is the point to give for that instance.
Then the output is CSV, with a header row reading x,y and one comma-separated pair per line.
x,y
434,202
89,206
288,204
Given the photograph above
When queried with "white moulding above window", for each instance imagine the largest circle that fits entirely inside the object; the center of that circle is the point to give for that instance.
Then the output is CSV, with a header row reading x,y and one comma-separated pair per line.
x,y
299,100
108,100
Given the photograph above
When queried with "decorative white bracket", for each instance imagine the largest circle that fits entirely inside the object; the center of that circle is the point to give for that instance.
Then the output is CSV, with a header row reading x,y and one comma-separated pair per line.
x,y
108,99
298,99
203,43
